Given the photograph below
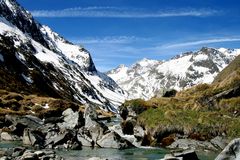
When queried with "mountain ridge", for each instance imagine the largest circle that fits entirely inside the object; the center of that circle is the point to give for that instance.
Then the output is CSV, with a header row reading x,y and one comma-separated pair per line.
x,y
148,78
33,58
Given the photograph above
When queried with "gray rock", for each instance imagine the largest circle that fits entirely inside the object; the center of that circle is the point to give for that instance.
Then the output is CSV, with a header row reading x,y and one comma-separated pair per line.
x,y
40,153
96,129
71,119
5,136
85,140
138,131
113,140
2,153
64,139
32,137
219,142
130,138
191,144
231,151
29,156
28,121
4,158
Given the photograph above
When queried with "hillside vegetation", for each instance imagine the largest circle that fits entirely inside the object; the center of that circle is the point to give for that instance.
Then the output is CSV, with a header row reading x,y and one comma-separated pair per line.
x,y
201,112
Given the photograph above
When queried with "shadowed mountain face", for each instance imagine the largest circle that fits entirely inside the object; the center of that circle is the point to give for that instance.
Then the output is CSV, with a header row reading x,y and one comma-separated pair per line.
x,y
34,59
149,78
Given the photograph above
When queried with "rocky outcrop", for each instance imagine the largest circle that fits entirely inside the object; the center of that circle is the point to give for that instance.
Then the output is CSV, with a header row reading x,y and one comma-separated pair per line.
x,y
231,151
77,129
97,134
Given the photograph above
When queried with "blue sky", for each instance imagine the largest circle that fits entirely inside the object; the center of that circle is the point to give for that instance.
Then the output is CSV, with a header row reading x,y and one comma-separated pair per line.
x,y
125,31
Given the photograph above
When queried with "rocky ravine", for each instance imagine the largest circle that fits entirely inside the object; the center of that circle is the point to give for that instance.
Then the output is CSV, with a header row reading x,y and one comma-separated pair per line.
x,y
34,59
148,78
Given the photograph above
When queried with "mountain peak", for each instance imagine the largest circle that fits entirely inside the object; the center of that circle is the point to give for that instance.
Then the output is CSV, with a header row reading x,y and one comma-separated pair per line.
x,y
35,59
149,78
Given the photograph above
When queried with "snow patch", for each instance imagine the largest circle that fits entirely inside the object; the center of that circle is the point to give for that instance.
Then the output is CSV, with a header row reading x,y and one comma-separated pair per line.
x,y
27,79
46,106
20,57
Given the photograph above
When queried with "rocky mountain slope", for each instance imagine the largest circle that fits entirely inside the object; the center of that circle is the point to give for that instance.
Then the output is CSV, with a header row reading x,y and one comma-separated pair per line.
x,y
148,78
202,112
34,59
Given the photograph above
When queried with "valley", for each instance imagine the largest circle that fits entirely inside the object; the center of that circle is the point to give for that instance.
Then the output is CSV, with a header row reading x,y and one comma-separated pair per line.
x,y
56,104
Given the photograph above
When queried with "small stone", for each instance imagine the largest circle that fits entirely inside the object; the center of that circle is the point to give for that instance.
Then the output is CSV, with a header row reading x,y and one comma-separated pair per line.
x,y
39,153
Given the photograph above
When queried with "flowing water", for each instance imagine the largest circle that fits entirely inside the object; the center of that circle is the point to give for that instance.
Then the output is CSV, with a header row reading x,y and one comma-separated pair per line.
x,y
114,154
127,154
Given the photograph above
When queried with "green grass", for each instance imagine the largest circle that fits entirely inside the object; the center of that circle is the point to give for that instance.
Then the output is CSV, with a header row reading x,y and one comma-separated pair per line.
x,y
196,111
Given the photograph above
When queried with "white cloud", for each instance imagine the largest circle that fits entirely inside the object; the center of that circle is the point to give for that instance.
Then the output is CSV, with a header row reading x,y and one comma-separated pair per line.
x,y
115,12
108,40
200,42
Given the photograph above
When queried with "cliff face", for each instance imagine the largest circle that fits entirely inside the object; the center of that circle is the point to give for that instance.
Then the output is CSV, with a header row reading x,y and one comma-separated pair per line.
x,y
34,59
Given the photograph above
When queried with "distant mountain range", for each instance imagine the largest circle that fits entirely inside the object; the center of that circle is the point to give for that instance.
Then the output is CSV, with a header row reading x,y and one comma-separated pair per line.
x,y
36,60
149,78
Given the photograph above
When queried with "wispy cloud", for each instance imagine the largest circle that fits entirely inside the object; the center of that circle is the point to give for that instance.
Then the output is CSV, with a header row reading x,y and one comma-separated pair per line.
x,y
199,42
108,40
115,12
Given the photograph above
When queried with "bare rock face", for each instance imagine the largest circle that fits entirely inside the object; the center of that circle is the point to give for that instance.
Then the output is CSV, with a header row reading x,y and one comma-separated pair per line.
x,y
231,151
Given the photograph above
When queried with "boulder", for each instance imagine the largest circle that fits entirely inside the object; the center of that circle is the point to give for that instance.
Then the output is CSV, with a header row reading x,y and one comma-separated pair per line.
x,y
191,144
71,119
33,137
135,141
184,155
96,129
59,138
113,140
87,142
231,151
85,138
6,136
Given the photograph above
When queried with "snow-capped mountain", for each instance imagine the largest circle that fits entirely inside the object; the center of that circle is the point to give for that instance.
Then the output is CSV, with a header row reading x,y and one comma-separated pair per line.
x,y
148,78
34,59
